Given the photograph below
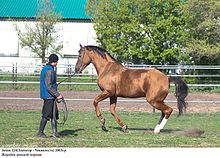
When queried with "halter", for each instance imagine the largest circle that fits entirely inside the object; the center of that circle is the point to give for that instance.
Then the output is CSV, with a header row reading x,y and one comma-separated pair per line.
x,y
82,59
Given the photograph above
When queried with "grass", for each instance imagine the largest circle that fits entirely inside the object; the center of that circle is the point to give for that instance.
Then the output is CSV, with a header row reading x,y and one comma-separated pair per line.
x,y
18,129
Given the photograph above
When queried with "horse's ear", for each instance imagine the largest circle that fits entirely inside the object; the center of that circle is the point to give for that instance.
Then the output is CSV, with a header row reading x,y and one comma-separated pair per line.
x,y
80,45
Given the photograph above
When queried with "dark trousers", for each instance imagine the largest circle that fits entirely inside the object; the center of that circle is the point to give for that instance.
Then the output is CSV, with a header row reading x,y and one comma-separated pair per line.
x,y
48,108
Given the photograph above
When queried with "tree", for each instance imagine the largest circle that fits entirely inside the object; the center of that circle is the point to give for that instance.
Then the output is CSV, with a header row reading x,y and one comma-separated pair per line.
x,y
204,28
43,37
141,31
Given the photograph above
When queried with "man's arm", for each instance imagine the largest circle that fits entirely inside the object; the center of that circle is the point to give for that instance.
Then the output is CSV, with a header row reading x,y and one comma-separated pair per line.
x,y
48,82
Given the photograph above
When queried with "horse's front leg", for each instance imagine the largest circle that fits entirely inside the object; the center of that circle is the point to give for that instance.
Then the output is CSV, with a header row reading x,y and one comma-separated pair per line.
x,y
113,101
99,98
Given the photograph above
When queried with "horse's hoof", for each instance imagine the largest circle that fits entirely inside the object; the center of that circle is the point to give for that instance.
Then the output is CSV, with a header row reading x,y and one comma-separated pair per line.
x,y
104,128
157,129
125,129
156,132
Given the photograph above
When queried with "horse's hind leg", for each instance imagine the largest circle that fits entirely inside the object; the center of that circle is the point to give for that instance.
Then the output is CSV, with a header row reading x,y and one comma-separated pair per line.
x,y
161,117
99,98
166,112
113,101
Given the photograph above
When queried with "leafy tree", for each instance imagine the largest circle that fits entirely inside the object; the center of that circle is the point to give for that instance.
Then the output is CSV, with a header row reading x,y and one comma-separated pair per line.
x,y
141,31
204,24
43,37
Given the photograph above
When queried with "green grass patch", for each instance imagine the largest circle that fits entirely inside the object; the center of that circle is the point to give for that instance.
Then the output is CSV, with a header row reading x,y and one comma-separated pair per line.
x,y
18,129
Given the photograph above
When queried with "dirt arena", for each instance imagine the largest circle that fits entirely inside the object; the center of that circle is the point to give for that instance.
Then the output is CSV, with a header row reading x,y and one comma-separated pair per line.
x,y
86,105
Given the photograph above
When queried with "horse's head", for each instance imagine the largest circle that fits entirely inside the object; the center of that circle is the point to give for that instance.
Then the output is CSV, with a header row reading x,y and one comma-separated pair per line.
x,y
83,59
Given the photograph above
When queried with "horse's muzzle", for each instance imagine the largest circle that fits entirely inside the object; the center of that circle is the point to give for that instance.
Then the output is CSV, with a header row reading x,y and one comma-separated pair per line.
x,y
78,70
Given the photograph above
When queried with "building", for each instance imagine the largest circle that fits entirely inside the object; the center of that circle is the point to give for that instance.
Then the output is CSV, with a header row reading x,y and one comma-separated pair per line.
x,y
77,28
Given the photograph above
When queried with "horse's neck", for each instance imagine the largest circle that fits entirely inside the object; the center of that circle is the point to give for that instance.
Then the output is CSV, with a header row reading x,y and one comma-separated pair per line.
x,y
100,63
100,66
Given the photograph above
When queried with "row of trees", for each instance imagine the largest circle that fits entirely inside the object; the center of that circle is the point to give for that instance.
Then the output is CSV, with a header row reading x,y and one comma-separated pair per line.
x,y
139,31
158,31
204,31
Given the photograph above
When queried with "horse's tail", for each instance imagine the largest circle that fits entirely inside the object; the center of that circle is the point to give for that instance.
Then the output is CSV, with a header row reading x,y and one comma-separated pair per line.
x,y
181,93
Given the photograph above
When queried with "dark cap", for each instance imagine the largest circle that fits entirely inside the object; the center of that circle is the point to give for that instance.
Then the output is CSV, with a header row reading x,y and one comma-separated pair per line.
x,y
53,58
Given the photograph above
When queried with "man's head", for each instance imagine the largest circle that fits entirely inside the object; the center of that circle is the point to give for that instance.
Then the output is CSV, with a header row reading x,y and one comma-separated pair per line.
x,y
53,59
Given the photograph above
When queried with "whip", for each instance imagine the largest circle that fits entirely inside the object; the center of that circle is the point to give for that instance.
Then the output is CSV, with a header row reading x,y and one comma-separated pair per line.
x,y
64,79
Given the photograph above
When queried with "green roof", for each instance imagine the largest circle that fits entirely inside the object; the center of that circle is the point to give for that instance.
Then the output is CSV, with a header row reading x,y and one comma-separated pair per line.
x,y
69,9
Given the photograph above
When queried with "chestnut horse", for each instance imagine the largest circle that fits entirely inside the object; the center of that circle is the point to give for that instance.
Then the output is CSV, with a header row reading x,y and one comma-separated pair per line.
x,y
115,81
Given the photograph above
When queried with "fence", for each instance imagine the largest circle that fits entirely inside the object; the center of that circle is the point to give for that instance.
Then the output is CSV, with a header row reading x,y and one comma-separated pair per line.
x,y
199,74
207,75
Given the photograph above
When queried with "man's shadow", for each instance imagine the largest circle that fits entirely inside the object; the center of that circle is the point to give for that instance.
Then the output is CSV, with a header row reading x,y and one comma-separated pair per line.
x,y
67,132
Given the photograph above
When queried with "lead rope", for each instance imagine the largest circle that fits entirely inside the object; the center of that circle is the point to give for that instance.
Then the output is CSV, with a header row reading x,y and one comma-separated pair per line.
x,y
63,102
64,110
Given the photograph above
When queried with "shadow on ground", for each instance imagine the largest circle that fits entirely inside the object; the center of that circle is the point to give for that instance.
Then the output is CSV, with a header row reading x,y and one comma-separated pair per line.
x,y
147,130
70,132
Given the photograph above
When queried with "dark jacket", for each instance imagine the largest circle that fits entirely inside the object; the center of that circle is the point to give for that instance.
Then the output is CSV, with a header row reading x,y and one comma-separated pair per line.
x,y
48,85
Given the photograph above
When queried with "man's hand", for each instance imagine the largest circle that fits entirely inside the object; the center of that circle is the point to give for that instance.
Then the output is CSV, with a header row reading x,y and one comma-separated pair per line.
x,y
59,98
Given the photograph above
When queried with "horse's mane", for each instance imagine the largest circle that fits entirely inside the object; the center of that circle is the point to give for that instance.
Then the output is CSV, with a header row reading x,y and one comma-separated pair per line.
x,y
100,51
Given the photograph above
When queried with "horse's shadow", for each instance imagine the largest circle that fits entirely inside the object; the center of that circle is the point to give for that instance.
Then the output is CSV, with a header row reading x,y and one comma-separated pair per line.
x,y
70,132
147,130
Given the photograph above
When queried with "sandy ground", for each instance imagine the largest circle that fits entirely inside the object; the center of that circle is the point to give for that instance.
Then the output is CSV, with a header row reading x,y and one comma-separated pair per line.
x,y
77,105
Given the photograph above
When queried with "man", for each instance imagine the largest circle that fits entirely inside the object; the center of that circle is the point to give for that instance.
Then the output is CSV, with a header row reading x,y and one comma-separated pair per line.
x,y
49,93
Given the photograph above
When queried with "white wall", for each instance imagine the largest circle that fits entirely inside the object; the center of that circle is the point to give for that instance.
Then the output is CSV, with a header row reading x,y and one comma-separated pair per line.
x,y
75,34
72,34
8,38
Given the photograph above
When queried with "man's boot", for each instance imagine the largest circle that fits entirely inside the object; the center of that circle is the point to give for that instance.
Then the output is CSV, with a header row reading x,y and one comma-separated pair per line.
x,y
55,134
43,123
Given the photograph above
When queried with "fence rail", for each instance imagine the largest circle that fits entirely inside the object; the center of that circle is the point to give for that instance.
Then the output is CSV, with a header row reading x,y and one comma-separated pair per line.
x,y
13,75
13,71
119,100
83,83
38,74
69,68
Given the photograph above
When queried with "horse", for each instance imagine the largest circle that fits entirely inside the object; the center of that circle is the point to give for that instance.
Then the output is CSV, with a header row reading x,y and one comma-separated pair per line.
x,y
115,80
